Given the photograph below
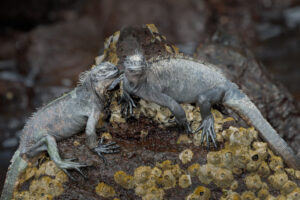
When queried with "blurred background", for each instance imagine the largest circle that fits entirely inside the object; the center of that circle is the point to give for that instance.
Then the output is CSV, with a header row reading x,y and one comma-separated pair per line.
x,y
44,45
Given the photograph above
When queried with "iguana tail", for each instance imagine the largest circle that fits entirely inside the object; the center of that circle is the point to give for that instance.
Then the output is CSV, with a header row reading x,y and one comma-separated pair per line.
x,y
239,102
17,166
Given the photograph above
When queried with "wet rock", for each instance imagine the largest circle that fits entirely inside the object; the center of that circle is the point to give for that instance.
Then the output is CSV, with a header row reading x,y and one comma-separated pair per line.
x,y
156,172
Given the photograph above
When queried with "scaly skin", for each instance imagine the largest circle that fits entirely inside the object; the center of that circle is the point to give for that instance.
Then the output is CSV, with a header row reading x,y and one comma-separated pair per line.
x,y
174,80
62,118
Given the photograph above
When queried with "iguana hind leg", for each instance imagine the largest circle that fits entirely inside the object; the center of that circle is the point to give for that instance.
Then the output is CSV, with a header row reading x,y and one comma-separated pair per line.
x,y
205,101
62,164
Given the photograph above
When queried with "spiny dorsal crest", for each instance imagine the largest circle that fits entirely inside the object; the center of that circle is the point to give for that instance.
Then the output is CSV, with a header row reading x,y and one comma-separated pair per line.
x,y
98,72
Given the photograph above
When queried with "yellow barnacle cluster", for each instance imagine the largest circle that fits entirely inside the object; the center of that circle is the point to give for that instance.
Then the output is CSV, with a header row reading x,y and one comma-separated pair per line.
x,y
152,182
42,184
123,179
105,190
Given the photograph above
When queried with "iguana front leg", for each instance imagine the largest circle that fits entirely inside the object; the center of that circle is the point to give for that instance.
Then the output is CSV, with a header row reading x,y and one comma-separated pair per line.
x,y
154,95
92,140
127,104
90,130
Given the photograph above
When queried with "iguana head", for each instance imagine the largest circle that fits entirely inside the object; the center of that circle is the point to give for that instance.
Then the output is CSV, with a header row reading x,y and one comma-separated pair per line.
x,y
134,66
100,77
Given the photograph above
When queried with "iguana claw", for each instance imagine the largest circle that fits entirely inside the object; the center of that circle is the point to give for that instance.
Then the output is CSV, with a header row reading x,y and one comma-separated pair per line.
x,y
68,164
208,130
102,148
127,103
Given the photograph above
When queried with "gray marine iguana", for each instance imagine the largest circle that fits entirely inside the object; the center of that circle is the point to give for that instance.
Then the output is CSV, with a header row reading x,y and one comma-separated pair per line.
x,y
63,118
171,80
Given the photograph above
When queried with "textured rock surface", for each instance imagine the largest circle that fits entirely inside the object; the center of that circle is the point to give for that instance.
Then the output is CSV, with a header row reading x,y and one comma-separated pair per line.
x,y
157,161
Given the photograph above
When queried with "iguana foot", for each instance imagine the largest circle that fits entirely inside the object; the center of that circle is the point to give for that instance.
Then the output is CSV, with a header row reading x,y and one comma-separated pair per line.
x,y
127,105
185,124
102,148
208,130
68,164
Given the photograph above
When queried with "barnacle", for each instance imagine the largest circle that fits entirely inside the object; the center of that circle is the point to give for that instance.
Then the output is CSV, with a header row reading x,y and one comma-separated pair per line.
x,y
263,193
176,171
186,156
123,179
248,195
156,172
263,169
230,195
194,169
276,163
253,182
234,185
142,174
105,190
167,164
294,195
278,180
200,193
214,158
288,187
168,180
205,173
106,136
241,157
184,139
154,193
223,178
185,181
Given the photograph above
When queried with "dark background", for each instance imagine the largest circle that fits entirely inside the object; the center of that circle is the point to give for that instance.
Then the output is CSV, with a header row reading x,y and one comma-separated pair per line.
x,y
44,45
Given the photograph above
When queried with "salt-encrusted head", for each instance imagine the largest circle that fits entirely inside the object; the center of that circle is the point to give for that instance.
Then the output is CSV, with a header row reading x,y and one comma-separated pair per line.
x,y
135,63
99,72
100,77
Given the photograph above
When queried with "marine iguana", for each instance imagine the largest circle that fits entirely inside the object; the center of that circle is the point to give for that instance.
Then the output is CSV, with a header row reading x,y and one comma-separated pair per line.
x,y
171,80
63,118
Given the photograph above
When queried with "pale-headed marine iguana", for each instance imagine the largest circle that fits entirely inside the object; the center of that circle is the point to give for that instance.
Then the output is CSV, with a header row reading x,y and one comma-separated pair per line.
x,y
170,80
62,118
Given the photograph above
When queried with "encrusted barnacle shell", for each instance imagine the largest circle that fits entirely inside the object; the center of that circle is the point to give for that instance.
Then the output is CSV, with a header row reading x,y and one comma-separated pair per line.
x,y
241,157
223,178
230,195
154,193
194,169
184,139
234,185
253,182
156,172
123,179
176,171
263,193
248,195
200,193
288,187
167,164
276,163
214,157
105,190
168,180
186,156
278,180
263,169
206,173
142,174
294,195
185,181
